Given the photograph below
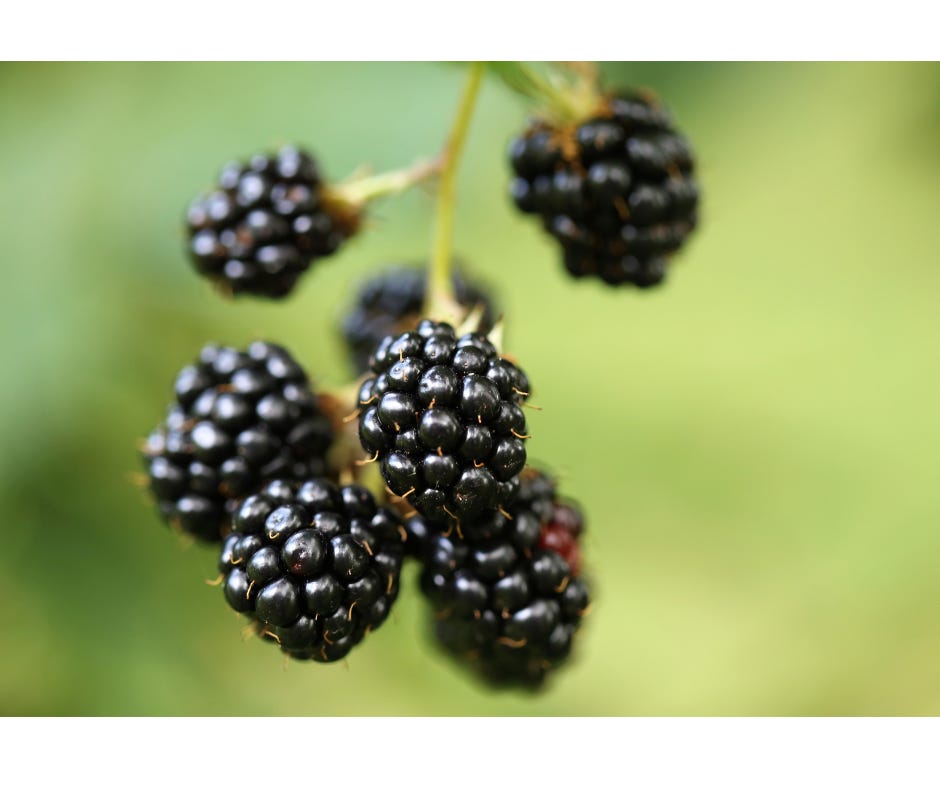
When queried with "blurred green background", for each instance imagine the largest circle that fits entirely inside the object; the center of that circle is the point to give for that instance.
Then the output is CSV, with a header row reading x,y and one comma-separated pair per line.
x,y
756,443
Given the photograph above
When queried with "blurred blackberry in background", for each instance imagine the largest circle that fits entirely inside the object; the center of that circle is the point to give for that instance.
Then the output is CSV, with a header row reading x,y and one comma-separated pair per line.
x,y
443,417
508,598
391,301
264,224
239,419
616,190
315,566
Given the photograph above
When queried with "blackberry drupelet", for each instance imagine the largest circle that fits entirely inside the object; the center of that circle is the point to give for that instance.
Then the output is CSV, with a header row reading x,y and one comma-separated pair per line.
x,y
442,415
239,419
264,224
391,301
315,566
616,190
509,600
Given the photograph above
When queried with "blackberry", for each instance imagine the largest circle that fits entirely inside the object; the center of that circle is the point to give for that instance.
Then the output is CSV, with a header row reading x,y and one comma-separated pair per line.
x,y
315,566
509,601
391,301
263,225
615,190
239,419
442,415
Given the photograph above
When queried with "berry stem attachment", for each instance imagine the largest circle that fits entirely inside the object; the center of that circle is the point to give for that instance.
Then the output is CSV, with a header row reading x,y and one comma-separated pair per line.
x,y
358,190
566,92
441,303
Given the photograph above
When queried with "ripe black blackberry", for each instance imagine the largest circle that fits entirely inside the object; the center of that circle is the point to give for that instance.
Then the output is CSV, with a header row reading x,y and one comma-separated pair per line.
x,y
616,190
507,602
443,417
239,419
390,302
315,566
264,224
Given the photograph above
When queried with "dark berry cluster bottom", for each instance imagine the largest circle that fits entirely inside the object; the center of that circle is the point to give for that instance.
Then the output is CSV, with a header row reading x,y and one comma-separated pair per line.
x,y
507,595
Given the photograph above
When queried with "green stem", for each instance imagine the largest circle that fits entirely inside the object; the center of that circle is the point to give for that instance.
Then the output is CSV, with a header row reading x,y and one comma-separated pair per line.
x,y
563,92
441,303
357,191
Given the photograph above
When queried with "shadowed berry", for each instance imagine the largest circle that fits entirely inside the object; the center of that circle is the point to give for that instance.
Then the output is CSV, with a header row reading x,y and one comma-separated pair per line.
x,y
508,597
391,301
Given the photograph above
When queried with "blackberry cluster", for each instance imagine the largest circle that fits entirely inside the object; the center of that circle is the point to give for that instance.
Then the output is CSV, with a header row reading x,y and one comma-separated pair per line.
x,y
265,223
315,566
509,600
390,302
616,190
442,415
240,418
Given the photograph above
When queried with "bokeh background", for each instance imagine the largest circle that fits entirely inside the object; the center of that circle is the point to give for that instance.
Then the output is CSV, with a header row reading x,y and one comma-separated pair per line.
x,y
756,443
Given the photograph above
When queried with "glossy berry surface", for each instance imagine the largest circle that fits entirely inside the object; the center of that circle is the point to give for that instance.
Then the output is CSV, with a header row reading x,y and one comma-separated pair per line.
x,y
391,301
314,565
239,419
264,224
443,417
616,191
506,602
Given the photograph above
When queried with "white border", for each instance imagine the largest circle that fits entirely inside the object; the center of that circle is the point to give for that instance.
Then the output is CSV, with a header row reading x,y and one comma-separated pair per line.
x,y
568,753
484,29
